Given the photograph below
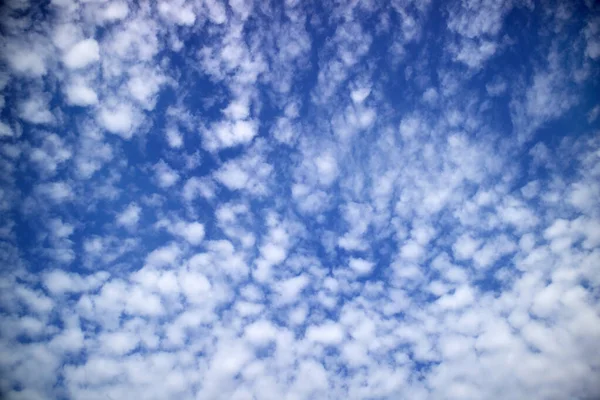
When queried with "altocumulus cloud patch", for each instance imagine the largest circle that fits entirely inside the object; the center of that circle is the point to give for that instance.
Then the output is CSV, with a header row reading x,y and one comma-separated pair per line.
x,y
299,200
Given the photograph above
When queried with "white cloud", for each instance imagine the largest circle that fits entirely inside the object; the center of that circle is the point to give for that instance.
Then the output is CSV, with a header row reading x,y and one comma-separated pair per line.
x,y
144,85
328,333
195,187
496,87
475,53
310,202
584,195
412,250
5,130
23,61
50,155
493,250
65,35
233,176
273,252
462,297
79,94
410,127
118,343
592,48
478,18
174,138
192,232
93,153
260,333
60,229
165,175
114,11
36,110
326,168
118,119
465,246
285,131
181,14
290,289
163,256
359,95
361,266
59,282
195,286
593,114
130,216
57,192
250,173
82,54
229,134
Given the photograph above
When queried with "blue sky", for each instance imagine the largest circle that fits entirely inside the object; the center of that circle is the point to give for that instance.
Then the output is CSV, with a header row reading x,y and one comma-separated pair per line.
x,y
299,200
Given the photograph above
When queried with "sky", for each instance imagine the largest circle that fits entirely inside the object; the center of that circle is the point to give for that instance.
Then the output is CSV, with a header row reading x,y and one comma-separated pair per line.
x,y
289,199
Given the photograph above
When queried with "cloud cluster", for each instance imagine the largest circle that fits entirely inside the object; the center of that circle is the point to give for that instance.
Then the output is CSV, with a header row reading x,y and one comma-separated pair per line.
x,y
298,200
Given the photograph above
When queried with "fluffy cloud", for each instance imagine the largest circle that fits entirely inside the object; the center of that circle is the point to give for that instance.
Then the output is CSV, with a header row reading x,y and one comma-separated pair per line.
x,y
36,111
82,54
192,232
130,216
229,134
165,175
328,333
114,11
361,266
291,200
118,119
79,94
249,173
